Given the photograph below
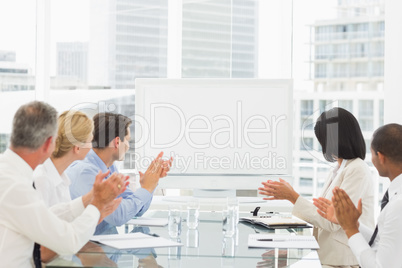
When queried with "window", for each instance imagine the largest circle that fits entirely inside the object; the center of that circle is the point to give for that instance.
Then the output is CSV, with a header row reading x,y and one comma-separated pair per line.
x,y
366,116
4,142
306,160
324,52
325,105
306,111
340,70
96,57
346,104
320,70
306,182
381,109
17,61
378,68
341,51
359,69
306,144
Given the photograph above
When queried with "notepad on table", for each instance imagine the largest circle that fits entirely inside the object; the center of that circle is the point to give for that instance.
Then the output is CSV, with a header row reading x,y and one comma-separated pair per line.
x,y
149,221
281,241
134,240
277,222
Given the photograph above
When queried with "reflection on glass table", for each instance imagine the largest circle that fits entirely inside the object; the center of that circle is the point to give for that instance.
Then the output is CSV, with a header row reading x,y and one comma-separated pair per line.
x,y
205,246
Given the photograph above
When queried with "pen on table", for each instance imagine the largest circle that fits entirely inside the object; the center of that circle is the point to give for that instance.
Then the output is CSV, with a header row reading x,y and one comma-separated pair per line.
x,y
155,235
271,239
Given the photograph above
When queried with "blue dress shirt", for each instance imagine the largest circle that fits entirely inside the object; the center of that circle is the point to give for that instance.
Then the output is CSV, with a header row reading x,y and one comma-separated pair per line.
x,y
82,175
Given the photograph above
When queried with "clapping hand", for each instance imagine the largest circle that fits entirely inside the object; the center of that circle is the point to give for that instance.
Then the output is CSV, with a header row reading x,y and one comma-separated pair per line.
x,y
149,180
109,208
346,212
278,190
325,209
105,191
166,166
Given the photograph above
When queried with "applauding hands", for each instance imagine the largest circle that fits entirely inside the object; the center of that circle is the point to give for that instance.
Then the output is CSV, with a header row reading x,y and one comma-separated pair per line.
x,y
156,170
341,211
105,191
278,190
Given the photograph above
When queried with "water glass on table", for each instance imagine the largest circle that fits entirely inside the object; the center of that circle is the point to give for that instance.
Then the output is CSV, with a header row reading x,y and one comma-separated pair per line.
x,y
192,238
193,212
228,247
174,221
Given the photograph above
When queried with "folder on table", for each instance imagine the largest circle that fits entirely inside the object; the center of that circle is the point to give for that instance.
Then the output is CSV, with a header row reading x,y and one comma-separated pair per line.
x,y
277,222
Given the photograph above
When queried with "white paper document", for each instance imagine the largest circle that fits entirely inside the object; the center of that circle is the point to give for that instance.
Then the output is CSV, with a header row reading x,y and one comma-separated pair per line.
x,y
134,240
149,221
281,241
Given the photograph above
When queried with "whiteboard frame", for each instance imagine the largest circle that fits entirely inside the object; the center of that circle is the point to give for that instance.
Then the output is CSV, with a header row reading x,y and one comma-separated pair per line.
x,y
217,181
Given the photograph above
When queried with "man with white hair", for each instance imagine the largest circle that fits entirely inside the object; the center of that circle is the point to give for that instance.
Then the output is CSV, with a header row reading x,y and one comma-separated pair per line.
x,y
25,219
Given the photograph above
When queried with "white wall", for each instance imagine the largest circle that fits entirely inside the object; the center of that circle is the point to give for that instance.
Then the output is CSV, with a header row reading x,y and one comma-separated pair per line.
x,y
393,62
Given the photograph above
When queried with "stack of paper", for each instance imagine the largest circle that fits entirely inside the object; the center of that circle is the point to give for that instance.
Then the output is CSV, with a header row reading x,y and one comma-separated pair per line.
x,y
149,221
134,240
281,241
277,222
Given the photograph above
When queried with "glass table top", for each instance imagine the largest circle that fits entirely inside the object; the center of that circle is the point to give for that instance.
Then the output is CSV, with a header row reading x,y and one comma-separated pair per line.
x,y
205,246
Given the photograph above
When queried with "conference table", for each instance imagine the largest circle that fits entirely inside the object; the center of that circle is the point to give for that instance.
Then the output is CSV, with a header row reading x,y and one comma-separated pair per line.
x,y
205,246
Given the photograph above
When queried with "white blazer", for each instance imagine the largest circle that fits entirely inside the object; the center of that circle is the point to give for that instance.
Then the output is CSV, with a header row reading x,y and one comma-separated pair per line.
x,y
356,179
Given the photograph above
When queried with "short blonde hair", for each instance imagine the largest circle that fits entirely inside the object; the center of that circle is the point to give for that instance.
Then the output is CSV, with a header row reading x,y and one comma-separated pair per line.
x,y
74,128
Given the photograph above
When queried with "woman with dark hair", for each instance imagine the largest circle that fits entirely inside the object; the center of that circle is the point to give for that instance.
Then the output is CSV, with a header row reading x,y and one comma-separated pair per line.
x,y
341,139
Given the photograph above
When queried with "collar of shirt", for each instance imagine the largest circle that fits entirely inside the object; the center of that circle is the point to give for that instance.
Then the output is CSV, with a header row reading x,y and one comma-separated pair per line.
x,y
395,187
19,164
54,174
93,158
334,174
338,169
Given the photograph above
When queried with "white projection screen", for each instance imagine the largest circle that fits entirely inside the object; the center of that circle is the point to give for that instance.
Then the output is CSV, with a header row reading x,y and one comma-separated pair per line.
x,y
213,127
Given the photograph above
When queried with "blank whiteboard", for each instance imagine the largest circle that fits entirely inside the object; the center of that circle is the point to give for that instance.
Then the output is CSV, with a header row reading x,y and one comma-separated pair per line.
x,y
215,126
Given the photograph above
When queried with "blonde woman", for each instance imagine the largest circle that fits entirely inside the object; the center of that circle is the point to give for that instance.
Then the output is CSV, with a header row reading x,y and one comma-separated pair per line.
x,y
73,142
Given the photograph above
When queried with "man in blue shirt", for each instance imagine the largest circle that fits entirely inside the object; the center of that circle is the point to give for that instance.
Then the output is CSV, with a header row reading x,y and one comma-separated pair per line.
x,y
110,143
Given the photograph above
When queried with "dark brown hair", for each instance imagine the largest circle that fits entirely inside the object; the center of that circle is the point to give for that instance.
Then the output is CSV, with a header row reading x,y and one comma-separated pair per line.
x,y
108,126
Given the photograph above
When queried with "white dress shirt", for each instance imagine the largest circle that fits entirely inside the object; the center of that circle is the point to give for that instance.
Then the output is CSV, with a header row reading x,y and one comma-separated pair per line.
x,y
52,187
25,219
388,243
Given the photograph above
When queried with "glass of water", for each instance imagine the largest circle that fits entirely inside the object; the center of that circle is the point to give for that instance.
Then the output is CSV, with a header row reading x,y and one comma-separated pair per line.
x,y
228,247
192,238
228,222
193,212
233,204
174,221
230,217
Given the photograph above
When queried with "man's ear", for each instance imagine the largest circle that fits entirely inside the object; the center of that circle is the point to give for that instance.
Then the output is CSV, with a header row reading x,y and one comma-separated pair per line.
x,y
116,142
381,158
47,146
